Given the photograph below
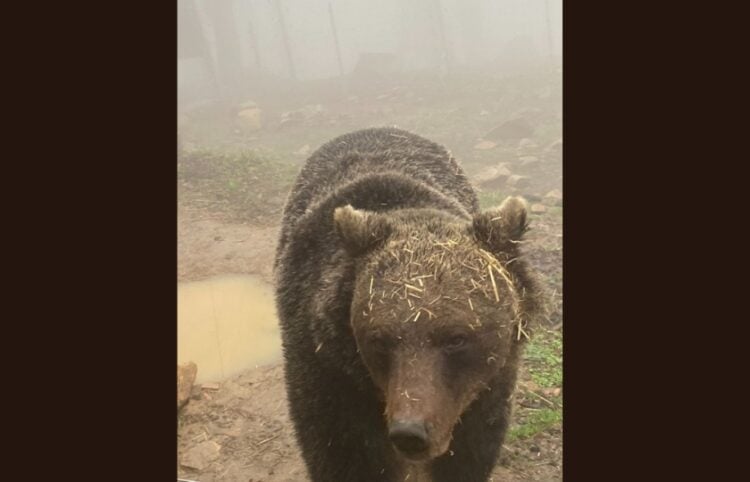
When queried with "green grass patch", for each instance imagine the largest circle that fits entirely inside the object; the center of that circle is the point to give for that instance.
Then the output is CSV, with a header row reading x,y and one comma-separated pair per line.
x,y
543,362
244,184
543,359
491,199
535,422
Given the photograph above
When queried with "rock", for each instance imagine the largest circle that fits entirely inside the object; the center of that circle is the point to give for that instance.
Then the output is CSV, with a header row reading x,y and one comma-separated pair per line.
x,y
484,113
196,392
518,181
185,378
303,151
250,119
551,392
306,114
531,197
553,198
210,386
528,160
201,455
513,129
493,177
538,208
485,145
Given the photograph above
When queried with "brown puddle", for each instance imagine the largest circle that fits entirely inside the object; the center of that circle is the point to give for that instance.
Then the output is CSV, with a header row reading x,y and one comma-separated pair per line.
x,y
226,325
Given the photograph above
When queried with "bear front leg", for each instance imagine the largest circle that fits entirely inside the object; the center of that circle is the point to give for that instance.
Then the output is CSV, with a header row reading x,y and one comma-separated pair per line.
x,y
339,428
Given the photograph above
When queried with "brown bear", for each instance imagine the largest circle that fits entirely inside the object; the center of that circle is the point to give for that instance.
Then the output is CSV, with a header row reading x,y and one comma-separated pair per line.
x,y
403,311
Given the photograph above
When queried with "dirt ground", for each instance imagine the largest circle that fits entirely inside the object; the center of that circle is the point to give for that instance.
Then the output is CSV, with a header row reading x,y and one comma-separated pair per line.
x,y
209,246
239,430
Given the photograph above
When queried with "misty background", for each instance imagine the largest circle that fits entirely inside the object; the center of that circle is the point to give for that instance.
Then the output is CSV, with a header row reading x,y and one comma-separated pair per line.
x,y
234,48
261,85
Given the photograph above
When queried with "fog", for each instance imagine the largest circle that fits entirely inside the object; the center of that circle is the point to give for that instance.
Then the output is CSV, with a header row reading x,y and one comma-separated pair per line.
x,y
230,49
261,85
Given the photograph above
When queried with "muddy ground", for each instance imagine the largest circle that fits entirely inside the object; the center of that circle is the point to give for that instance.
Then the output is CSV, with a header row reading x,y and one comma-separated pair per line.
x,y
232,183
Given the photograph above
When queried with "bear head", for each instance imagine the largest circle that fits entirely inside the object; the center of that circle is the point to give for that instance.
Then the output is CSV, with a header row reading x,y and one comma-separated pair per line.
x,y
440,309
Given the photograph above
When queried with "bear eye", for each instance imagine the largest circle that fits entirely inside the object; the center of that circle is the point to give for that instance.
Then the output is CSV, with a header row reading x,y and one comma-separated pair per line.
x,y
455,343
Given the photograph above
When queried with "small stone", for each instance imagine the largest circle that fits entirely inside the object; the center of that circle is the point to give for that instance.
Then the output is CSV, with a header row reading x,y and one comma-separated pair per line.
x,y
484,113
195,393
513,129
250,119
201,455
493,177
485,145
518,181
538,208
185,378
531,197
551,392
210,386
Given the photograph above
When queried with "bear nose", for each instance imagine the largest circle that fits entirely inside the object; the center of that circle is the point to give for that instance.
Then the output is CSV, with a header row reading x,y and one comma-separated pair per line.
x,y
409,437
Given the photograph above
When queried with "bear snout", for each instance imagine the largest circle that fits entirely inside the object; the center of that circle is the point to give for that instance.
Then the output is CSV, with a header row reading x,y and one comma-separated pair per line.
x,y
409,437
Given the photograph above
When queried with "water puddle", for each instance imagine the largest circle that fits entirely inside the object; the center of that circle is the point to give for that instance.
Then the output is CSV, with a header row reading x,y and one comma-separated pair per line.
x,y
226,325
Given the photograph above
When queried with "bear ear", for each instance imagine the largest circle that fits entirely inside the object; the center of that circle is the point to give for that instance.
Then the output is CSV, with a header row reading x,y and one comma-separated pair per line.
x,y
499,229
360,231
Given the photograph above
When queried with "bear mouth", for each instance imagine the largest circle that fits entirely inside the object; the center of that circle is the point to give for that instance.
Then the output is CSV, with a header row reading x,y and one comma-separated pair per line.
x,y
413,454
414,444
418,455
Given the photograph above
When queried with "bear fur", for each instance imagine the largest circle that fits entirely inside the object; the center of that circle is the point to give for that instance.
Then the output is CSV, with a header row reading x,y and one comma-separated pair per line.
x,y
403,312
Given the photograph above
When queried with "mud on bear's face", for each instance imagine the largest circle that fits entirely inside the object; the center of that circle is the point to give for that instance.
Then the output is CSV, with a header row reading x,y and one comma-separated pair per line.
x,y
435,314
